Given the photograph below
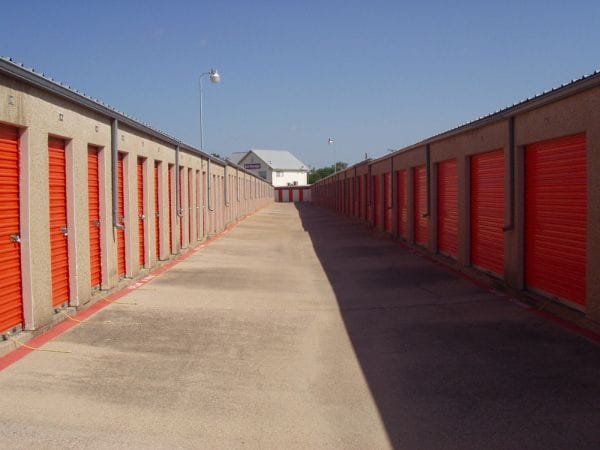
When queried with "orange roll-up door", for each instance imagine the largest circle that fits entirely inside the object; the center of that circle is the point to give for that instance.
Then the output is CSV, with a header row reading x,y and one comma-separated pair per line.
x,y
121,213
180,206
401,199
487,211
376,200
198,206
360,197
190,206
447,208
156,211
141,215
556,217
94,216
420,202
170,218
11,300
387,202
59,244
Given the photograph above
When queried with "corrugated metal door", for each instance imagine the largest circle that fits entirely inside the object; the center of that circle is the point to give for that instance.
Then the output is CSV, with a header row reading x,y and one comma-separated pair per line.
x,y
94,216
280,195
170,218
59,244
402,203
204,206
487,211
290,195
360,195
376,201
301,195
121,217
156,211
141,215
11,300
556,217
180,206
190,205
447,208
387,201
420,202
198,208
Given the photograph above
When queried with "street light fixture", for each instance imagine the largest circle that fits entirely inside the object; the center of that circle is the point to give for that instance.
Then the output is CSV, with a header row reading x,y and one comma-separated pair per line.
x,y
214,78
332,142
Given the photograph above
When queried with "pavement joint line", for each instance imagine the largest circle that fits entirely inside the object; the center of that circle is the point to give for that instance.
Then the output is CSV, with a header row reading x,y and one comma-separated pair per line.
x,y
20,352
28,347
69,317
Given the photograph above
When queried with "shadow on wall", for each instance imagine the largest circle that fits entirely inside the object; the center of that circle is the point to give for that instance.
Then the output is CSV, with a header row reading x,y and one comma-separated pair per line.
x,y
451,365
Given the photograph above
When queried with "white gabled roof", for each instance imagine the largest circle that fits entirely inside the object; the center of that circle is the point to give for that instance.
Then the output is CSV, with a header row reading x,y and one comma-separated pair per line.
x,y
280,160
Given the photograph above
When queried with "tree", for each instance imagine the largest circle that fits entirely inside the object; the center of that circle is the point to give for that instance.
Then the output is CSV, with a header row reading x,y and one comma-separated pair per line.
x,y
316,174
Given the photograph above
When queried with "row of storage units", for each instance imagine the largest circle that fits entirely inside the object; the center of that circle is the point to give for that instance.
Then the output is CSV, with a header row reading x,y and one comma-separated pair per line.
x,y
292,194
90,197
514,195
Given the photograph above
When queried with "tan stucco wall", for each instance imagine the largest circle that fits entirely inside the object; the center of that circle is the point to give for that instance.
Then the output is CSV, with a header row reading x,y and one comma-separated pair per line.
x,y
39,114
575,114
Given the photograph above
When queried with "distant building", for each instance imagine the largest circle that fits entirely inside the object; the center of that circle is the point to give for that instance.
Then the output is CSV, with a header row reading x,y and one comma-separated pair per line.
x,y
279,167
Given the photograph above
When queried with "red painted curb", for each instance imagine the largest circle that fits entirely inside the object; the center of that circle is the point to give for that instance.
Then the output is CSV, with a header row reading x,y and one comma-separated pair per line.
x,y
19,353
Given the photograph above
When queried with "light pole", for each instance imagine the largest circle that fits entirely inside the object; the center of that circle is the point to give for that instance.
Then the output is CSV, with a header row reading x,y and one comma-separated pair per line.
x,y
214,78
332,142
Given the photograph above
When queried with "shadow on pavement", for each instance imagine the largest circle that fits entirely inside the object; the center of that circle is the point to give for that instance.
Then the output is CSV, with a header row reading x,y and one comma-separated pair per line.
x,y
451,365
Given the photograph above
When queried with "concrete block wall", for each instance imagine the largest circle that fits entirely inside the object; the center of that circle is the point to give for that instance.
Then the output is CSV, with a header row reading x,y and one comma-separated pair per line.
x,y
567,111
213,193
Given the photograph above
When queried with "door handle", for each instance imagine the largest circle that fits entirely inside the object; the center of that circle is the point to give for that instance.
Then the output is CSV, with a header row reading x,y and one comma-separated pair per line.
x,y
15,238
143,216
97,223
64,230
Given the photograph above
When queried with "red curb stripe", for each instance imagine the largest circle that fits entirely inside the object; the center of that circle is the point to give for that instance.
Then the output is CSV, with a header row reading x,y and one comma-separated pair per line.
x,y
19,353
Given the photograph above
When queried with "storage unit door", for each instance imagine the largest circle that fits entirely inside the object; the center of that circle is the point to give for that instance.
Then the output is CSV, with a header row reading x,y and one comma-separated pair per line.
x,y
11,300
290,195
402,203
420,201
190,205
180,207
360,197
556,218
121,213
141,215
387,201
170,218
59,244
487,211
198,208
156,212
94,216
447,208
376,201
280,195
204,206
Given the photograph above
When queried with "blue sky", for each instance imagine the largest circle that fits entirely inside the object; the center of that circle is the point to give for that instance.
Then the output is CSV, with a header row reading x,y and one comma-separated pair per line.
x,y
373,75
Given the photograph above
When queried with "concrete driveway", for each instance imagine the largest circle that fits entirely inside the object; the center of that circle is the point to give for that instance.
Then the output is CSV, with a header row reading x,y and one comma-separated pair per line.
x,y
298,330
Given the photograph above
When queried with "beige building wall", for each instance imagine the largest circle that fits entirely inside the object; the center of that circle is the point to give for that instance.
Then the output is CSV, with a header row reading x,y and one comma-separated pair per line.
x,y
39,114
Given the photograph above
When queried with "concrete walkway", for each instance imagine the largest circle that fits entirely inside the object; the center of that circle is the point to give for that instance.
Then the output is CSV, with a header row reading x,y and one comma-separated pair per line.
x,y
299,330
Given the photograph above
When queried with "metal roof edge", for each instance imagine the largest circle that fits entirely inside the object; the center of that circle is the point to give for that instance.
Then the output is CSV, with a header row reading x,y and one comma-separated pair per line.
x,y
554,95
27,75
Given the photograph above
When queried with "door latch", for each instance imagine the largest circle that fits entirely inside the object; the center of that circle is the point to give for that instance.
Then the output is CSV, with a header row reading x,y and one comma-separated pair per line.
x,y
97,223
64,230
143,216
15,238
